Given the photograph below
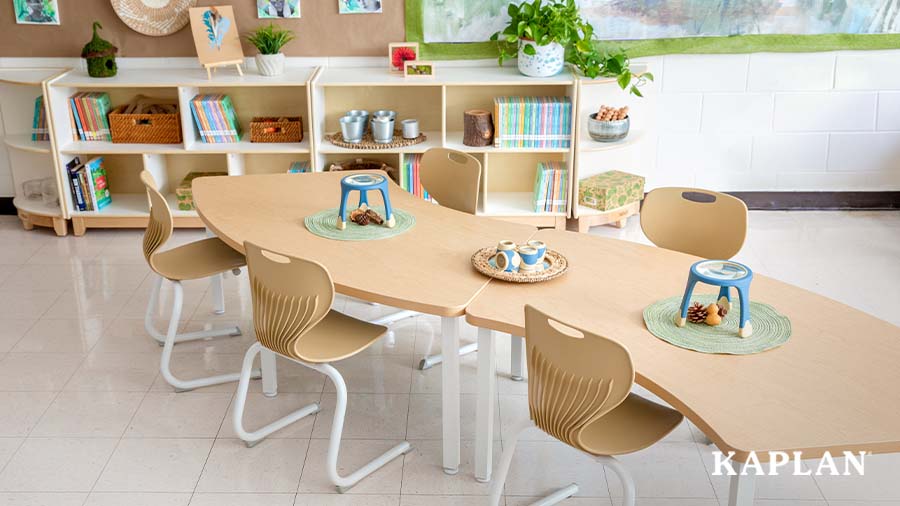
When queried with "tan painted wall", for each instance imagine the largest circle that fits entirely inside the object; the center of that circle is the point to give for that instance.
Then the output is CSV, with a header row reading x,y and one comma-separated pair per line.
x,y
321,31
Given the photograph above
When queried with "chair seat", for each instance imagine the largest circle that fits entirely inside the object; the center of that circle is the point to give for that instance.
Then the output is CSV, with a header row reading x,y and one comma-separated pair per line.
x,y
337,337
196,260
633,425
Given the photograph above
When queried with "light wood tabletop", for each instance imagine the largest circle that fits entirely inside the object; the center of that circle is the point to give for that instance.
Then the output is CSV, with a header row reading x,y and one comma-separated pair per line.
x,y
835,385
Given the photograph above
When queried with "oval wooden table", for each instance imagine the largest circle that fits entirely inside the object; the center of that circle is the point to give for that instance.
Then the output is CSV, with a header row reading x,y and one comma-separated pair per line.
x,y
427,269
834,386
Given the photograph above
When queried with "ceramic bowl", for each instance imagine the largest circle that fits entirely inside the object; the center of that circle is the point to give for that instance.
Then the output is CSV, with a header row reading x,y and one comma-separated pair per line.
x,y
608,131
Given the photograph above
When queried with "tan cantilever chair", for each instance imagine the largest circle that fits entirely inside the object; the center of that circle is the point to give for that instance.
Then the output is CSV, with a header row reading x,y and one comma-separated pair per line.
x,y
197,260
580,393
292,316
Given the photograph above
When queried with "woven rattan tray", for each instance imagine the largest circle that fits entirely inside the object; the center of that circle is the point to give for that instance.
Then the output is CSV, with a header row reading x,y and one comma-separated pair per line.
x,y
556,265
368,142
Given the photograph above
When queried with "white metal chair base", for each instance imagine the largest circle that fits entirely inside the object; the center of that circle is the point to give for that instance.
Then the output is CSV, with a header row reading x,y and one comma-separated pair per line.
x,y
432,360
233,331
341,483
560,495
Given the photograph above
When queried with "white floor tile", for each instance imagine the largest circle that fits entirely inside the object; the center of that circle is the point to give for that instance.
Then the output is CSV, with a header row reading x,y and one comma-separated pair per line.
x,y
201,499
353,454
172,415
155,465
61,336
346,500
27,304
423,408
12,330
880,482
137,499
369,416
21,411
260,411
56,465
42,499
271,466
8,447
119,372
665,470
88,414
423,474
35,372
559,466
389,375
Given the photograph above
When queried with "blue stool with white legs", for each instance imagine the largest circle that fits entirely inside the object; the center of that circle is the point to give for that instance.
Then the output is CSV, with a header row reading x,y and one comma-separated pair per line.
x,y
725,274
364,183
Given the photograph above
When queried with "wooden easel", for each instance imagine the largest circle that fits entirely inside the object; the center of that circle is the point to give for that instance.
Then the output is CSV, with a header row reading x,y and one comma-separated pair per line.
x,y
211,67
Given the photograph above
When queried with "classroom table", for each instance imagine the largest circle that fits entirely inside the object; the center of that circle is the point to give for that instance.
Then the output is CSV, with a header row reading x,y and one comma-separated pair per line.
x,y
427,269
834,386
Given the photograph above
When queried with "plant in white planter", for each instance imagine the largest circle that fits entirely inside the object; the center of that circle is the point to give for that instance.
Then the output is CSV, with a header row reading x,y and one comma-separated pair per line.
x,y
269,40
546,35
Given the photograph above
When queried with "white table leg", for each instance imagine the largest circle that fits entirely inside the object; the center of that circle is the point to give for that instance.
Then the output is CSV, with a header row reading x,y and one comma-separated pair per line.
x,y
517,358
269,373
450,327
742,488
485,409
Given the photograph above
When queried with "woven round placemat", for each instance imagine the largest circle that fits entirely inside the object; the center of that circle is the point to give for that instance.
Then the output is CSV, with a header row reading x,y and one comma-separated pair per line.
x,y
368,142
156,18
558,265
324,224
770,328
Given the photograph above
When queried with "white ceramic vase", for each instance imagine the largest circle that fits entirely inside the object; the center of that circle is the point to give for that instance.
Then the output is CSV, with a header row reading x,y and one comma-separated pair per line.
x,y
545,62
270,64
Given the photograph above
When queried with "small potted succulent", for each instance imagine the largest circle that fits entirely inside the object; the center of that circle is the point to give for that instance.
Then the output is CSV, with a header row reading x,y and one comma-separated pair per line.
x,y
269,40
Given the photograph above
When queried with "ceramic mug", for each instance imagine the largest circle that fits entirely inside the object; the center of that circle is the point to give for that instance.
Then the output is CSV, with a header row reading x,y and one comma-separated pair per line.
x,y
530,258
541,247
507,259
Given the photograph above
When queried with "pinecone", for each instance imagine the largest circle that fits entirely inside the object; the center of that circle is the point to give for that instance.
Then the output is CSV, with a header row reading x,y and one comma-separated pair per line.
x,y
696,313
722,310
362,219
373,216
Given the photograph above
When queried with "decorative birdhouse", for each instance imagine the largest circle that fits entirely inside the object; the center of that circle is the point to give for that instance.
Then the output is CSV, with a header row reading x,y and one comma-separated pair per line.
x,y
100,55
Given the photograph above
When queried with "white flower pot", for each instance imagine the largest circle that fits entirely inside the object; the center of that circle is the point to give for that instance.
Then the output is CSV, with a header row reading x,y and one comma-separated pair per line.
x,y
547,61
270,64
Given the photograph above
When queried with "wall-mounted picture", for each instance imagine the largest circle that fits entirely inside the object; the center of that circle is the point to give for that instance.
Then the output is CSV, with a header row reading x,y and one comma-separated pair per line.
x,y
401,52
36,12
359,6
418,69
216,35
277,9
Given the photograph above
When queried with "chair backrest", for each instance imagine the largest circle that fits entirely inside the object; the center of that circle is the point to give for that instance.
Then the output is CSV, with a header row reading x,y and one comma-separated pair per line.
x,y
574,376
699,222
159,228
290,296
452,178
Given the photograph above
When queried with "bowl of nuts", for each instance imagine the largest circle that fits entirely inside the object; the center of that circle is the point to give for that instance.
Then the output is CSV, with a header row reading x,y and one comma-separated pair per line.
x,y
609,124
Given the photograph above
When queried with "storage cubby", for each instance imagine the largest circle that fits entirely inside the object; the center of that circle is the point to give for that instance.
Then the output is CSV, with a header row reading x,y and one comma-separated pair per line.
x,y
508,187
255,163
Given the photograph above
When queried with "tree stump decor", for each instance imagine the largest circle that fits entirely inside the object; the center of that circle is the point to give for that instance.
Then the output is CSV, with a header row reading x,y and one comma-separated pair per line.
x,y
478,128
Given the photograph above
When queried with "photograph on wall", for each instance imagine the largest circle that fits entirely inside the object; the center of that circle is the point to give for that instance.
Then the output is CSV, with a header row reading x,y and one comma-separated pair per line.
x,y
36,12
476,20
360,6
216,35
277,9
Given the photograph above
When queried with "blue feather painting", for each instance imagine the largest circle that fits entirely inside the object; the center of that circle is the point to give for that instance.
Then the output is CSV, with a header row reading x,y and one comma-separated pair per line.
x,y
216,27
215,34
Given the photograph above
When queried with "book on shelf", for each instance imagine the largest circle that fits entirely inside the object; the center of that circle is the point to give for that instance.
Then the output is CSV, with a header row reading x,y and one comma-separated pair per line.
x,y
89,113
39,130
550,188
89,184
409,176
299,167
532,122
216,118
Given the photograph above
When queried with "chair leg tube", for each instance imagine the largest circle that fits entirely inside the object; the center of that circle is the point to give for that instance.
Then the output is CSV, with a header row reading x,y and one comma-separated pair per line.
x,y
615,466
558,496
506,460
169,345
432,360
517,358
218,293
237,415
179,338
344,483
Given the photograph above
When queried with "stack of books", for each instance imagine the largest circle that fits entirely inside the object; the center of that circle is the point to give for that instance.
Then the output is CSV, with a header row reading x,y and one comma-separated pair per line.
x,y
89,115
532,122
550,188
39,131
216,118
299,168
409,176
88,184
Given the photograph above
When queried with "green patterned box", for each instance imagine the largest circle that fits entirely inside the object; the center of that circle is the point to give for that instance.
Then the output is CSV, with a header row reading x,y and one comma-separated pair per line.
x,y
185,195
610,190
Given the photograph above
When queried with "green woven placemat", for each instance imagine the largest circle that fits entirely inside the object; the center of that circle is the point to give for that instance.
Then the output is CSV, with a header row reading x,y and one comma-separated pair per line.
x,y
324,224
770,328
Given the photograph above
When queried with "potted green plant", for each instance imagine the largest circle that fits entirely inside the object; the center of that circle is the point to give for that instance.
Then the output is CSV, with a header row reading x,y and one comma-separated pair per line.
x,y
546,35
268,41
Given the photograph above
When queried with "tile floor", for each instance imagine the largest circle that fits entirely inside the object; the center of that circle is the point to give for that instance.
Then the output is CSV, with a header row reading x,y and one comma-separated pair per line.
x,y
86,421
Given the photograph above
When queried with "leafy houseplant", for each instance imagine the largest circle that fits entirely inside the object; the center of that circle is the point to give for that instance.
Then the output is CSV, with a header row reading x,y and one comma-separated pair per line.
x,y
269,40
545,35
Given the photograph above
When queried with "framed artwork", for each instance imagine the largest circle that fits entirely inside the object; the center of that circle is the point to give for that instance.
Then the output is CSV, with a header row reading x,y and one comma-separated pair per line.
x,y
216,35
277,9
418,69
36,12
400,53
359,6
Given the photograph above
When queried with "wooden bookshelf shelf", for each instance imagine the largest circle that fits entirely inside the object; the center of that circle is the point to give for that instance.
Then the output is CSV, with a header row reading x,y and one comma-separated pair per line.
x,y
455,141
23,142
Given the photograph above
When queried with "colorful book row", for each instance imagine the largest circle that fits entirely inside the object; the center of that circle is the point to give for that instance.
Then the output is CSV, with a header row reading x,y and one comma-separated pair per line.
x,y
89,184
39,130
216,118
550,187
409,176
89,115
532,122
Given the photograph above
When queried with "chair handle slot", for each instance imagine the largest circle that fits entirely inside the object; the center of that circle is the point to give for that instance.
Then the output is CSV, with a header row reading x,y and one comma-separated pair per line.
x,y
698,197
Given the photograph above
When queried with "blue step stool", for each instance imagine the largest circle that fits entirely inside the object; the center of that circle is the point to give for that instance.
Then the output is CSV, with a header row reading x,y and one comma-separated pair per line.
x,y
364,183
724,274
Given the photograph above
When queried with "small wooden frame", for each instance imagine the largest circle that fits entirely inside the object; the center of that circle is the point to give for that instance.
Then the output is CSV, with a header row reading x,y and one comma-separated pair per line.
x,y
399,69
415,69
617,217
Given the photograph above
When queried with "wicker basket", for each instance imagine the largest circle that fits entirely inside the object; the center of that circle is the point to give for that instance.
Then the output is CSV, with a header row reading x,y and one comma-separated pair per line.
x,y
283,129
149,126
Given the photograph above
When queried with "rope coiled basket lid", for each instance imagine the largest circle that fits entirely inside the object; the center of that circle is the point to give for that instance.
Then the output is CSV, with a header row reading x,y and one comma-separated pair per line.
x,y
154,17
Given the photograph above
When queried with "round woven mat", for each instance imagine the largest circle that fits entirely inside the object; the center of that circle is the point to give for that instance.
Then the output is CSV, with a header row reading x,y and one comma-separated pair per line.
x,y
770,328
324,224
154,17
368,142
556,268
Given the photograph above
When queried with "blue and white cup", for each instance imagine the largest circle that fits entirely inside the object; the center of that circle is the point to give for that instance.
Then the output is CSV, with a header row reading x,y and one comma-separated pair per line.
x,y
530,258
541,247
506,258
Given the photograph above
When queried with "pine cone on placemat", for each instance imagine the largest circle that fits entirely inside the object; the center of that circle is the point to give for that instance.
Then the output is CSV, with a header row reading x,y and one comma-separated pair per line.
x,y
722,310
373,216
697,313
362,219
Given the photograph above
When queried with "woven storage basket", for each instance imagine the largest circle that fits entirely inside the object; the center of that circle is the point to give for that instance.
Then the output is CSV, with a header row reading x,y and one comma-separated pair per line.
x,y
143,128
284,129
